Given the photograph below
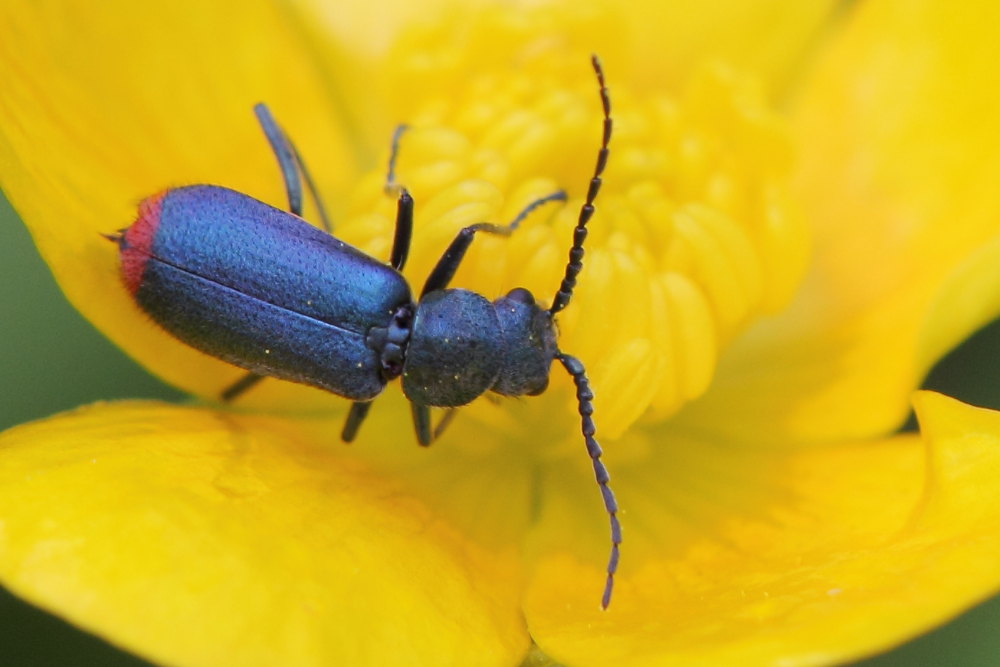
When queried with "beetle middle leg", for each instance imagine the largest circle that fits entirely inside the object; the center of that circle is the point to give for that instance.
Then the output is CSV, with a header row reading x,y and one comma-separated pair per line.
x,y
446,419
359,410
404,206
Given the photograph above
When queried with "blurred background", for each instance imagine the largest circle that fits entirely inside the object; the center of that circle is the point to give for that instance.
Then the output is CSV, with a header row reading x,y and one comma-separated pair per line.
x,y
52,360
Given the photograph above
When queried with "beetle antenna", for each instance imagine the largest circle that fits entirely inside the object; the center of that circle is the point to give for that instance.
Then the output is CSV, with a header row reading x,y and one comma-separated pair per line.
x,y
585,397
575,264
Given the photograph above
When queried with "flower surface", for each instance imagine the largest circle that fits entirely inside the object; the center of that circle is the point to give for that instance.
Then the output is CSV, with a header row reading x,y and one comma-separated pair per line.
x,y
797,221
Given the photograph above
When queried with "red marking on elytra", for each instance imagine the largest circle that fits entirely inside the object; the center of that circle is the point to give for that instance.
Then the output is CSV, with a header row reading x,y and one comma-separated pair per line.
x,y
137,244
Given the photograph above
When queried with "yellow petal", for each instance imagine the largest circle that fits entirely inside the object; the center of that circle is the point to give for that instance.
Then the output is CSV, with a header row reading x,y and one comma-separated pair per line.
x,y
197,538
769,39
659,43
759,557
900,160
104,105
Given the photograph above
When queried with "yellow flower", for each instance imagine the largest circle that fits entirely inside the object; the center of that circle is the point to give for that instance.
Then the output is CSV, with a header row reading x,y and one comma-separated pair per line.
x,y
798,220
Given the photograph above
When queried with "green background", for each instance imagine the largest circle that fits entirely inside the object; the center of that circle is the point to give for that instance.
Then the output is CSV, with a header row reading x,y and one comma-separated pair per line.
x,y
51,360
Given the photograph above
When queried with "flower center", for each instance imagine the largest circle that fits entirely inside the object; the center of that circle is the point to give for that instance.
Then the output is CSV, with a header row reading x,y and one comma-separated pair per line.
x,y
692,238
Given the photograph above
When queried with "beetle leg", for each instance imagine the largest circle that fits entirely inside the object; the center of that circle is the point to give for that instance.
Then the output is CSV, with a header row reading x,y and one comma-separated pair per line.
x,y
240,386
404,205
359,410
446,267
421,423
449,415
291,165
404,229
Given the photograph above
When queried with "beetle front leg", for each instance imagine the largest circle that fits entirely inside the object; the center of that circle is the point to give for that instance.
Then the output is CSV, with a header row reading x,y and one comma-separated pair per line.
x,y
421,423
446,267
404,205
446,420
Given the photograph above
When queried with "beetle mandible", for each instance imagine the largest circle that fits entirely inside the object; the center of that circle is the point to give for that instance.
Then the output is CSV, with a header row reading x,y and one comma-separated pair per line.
x,y
266,291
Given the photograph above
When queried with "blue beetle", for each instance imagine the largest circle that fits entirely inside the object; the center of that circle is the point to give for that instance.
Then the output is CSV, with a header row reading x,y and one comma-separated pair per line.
x,y
262,289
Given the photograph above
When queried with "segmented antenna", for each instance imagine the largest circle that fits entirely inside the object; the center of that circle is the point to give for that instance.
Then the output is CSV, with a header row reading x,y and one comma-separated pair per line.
x,y
584,397
575,264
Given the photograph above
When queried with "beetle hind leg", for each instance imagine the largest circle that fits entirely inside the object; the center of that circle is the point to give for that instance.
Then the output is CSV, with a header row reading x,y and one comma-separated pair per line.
x,y
421,423
291,164
237,388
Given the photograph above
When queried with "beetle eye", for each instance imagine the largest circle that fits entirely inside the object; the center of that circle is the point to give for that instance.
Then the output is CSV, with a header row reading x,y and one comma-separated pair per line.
x,y
521,295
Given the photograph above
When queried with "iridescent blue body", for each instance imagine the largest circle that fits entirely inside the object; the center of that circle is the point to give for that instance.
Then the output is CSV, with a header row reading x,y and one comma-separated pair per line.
x,y
260,288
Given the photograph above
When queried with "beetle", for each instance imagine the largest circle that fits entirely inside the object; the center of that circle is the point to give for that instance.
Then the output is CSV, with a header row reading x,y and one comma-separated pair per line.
x,y
264,290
